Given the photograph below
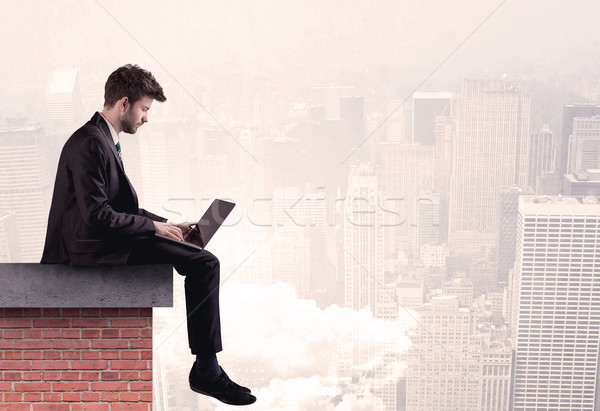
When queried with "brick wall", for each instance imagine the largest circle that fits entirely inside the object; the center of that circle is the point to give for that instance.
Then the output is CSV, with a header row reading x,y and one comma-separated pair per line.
x,y
94,359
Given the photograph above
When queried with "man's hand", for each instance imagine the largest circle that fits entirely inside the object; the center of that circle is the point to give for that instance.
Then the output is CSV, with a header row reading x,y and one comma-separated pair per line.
x,y
170,230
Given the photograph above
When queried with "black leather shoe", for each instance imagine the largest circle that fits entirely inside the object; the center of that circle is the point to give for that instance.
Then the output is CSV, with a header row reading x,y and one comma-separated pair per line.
x,y
223,389
238,386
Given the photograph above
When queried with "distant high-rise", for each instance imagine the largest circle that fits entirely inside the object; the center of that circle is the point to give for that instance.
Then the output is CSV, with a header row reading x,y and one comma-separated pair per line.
x,y
582,183
363,240
26,185
507,228
395,128
426,107
584,144
490,152
64,109
571,111
554,307
542,156
9,240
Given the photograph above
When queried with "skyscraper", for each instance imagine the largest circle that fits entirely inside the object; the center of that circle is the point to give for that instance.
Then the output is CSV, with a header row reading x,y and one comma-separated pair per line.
x,y
426,107
64,109
490,152
571,111
542,155
554,309
584,144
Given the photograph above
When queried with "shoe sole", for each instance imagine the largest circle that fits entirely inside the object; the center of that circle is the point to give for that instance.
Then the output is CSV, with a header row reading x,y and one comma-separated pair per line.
x,y
199,391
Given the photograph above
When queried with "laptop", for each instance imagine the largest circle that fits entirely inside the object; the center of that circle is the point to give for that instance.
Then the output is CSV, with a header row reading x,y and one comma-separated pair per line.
x,y
210,222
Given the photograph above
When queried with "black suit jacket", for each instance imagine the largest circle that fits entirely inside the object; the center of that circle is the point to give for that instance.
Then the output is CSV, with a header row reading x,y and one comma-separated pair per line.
x,y
94,216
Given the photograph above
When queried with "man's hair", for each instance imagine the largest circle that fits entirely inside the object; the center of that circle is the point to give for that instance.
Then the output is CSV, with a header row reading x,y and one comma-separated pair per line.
x,y
133,82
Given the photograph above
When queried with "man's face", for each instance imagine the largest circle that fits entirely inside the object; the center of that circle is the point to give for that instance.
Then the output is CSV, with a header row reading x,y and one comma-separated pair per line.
x,y
136,114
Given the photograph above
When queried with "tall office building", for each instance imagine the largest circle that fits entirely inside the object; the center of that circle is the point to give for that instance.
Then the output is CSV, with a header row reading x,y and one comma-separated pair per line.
x,y
490,152
582,183
363,240
64,109
507,228
554,309
428,220
584,144
9,245
426,107
571,111
26,185
395,128
542,155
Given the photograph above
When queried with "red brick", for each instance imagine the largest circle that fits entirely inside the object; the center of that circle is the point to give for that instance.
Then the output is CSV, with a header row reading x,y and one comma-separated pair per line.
x,y
89,365
32,396
70,386
71,312
14,323
141,344
146,396
90,376
90,396
52,396
6,344
51,333
146,333
6,386
129,312
51,323
51,312
32,344
62,344
70,333
14,407
130,333
129,365
12,396
90,333
130,355
141,386
71,396
130,375
51,376
130,396
32,376
13,334
50,365
13,312
146,312
52,355
130,407
90,355
69,376
32,312
71,355
13,355
32,386
109,396
129,322
90,312
32,355
110,312
110,333
146,375
90,322
109,386
110,355
109,376
32,334
90,407
12,376
51,407
14,365
110,344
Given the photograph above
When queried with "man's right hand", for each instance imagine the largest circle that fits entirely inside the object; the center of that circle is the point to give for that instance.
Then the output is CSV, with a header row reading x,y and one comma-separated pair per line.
x,y
169,230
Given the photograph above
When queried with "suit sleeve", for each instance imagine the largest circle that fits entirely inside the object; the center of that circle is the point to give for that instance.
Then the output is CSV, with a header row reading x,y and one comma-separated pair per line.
x,y
151,216
90,180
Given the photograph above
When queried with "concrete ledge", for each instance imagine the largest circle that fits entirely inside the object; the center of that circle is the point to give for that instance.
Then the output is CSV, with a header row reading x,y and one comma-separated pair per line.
x,y
54,285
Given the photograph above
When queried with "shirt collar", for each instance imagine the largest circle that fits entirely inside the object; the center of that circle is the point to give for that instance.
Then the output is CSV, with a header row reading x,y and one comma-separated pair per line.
x,y
113,133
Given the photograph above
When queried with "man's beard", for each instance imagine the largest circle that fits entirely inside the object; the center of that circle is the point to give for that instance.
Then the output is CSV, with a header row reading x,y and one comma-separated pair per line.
x,y
129,125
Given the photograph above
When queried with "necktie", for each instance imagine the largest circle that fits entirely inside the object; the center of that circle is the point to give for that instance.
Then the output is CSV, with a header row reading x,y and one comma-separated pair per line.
x,y
120,155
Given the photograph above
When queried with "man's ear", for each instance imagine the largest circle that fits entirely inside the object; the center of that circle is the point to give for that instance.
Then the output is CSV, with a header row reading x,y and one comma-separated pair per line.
x,y
123,104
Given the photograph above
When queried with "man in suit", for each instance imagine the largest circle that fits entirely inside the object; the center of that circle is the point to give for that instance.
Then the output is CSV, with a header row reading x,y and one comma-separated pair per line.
x,y
95,219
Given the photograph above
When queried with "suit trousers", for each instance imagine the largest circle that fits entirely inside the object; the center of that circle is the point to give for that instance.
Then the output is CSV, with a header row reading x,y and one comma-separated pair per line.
x,y
201,271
